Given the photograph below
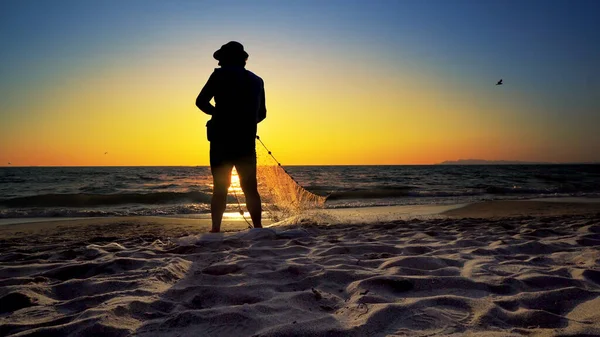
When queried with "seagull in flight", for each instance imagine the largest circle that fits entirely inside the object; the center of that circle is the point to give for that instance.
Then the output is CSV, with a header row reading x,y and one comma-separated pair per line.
x,y
105,152
499,82
9,163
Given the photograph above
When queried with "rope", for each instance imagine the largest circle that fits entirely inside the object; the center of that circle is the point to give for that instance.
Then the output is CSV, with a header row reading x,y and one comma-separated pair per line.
x,y
242,211
278,163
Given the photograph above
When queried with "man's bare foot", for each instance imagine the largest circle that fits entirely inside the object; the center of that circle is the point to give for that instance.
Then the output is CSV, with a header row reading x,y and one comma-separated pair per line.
x,y
214,231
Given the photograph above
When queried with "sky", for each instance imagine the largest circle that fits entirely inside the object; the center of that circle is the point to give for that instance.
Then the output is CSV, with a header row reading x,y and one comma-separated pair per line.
x,y
111,83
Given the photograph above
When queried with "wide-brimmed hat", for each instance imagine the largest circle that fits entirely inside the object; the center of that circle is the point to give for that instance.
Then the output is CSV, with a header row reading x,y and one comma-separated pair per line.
x,y
231,50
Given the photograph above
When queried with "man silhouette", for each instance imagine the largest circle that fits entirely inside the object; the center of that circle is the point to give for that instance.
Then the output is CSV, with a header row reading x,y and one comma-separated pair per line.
x,y
239,106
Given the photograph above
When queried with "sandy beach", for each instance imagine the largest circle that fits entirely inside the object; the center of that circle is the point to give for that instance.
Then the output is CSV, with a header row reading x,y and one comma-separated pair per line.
x,y
499,268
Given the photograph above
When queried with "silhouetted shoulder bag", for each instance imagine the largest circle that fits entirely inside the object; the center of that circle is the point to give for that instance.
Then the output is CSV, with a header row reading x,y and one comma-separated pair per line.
x,y
210,130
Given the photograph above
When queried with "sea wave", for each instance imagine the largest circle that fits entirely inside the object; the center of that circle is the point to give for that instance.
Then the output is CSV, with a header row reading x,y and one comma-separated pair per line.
x,y
60,212
371,193
164,186
414,192
12,180
87,200
517,190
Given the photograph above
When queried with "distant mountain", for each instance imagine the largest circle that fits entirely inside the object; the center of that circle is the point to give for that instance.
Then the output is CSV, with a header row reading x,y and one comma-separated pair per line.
x,y
490,162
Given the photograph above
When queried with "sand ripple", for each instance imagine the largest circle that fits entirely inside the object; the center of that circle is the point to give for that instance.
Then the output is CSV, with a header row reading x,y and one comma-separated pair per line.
x,y
513,276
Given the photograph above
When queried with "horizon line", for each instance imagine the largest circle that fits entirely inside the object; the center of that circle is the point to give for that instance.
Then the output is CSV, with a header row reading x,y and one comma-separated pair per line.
x,y
453,163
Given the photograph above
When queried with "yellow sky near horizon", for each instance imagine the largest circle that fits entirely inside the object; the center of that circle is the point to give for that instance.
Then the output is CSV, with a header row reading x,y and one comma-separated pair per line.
x,y
316,115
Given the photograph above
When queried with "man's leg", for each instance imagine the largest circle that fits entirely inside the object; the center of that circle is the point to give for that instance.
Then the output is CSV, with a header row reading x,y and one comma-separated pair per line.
x,y
246,169
221,181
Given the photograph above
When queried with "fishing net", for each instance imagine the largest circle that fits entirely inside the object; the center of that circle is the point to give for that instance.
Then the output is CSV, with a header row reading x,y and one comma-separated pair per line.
x,y
282,196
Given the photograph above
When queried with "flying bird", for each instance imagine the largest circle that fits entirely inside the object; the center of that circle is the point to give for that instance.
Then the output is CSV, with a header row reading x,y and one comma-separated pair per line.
x,y
499,82
105,152
9,163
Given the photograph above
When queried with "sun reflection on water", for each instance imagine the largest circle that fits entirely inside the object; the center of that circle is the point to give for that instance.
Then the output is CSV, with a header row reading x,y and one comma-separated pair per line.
x,y
235,182
236,189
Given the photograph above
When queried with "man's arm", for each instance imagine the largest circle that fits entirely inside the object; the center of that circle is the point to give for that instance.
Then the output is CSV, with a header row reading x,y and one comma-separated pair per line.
x,y
262,108
206,94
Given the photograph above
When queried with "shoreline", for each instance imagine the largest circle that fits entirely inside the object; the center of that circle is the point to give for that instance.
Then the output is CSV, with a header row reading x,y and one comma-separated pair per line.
x,y
485,209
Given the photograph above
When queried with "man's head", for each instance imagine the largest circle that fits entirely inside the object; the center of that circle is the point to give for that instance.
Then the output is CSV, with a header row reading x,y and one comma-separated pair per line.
x,y
231,53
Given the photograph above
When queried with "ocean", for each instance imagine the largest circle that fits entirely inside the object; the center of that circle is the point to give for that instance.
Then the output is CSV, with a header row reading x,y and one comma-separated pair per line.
x,y
27,192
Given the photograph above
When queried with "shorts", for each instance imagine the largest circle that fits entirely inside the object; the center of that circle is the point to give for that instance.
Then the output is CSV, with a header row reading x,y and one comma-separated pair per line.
x,y
222,160
241,154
